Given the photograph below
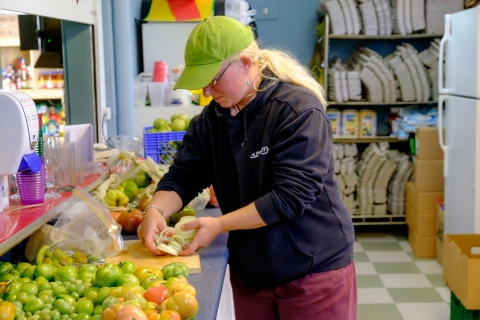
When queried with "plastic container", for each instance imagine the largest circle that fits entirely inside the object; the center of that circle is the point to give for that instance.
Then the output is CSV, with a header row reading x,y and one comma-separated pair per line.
x,y
157,145
350,123
335,118
458,311
367,123
31,186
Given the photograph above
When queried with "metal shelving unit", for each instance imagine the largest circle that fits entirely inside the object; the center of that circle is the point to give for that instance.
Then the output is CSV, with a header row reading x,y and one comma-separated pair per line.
x,y
368,140
370,219
386,37
378,220
367,103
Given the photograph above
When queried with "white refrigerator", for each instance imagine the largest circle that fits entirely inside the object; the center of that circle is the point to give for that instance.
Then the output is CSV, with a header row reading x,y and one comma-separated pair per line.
x,y
459,93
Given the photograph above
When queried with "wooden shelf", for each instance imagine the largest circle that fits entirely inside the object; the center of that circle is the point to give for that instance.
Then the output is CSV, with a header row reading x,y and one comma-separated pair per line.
x,y
386,37
44,94
367,103
377,220
368,140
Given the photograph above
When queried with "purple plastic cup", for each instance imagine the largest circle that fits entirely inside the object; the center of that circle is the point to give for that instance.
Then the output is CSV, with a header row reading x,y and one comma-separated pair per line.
x,y
31,186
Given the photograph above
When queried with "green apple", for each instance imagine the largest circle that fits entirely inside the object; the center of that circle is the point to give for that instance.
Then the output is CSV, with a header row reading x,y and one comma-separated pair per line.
x,y
178,125
159,122
173,117
166,128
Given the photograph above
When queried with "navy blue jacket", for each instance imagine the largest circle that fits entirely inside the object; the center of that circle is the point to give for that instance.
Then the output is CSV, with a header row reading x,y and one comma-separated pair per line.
x,y
277,153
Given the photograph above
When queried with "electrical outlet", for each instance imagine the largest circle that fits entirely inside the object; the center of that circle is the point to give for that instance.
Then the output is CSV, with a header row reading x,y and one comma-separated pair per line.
x,y
106,113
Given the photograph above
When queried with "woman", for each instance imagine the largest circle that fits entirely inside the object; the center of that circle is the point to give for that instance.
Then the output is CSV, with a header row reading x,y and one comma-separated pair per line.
x,y
265,144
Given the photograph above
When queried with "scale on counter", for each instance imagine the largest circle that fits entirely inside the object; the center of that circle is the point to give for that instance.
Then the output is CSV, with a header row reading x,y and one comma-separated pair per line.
x,y
18,138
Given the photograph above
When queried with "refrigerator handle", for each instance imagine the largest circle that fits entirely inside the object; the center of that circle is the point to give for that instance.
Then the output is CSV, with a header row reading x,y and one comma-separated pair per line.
x,y
445,148
441,55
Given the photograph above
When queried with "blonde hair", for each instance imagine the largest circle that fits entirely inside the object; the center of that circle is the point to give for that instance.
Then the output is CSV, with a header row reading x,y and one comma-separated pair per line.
x,y
284,67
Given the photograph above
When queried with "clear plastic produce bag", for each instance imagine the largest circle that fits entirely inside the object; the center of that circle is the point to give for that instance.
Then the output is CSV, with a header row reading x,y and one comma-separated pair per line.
x,y
83,225
129,148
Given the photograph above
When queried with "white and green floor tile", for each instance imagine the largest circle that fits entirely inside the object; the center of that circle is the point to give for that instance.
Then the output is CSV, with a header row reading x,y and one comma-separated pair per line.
x,y
394,285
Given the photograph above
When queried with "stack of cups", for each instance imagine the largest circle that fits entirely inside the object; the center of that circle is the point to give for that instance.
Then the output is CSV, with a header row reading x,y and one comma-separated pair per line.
x,y
31,185
157,87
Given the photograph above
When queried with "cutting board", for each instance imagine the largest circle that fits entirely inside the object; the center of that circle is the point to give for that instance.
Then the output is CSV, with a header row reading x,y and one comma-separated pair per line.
x,y
140,255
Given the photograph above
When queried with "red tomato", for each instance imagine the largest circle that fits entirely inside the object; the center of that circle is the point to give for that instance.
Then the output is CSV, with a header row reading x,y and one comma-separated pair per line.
x,y
156,294
131,312
7,310
170,314
130,220
143,204
140,228
111,312
115,214
184,303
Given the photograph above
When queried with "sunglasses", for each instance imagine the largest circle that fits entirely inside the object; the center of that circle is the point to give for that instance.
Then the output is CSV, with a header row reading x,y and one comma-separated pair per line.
x,y
214,82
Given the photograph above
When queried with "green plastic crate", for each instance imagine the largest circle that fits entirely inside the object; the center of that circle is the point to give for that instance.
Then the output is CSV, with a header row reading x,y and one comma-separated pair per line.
x,y
458,311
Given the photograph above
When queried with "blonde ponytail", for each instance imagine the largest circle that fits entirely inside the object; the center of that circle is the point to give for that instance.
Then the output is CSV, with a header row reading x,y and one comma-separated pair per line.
x,y
285,68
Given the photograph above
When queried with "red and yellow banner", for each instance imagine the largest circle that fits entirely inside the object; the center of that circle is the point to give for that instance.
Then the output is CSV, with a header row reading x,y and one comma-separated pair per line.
x,y
180,10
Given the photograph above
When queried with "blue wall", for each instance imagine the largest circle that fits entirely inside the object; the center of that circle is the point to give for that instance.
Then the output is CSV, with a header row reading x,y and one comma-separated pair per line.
x,y
293,30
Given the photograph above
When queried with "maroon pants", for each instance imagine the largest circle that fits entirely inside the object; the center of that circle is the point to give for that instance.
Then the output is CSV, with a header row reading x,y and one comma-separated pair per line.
x,y
330,295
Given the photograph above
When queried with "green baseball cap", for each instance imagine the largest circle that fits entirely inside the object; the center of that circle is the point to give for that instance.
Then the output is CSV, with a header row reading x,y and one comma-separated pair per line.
x,y
210,42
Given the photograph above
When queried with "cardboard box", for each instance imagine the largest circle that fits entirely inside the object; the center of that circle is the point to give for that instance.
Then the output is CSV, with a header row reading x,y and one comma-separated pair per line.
x,y
440,228
427,146
424,203
428,176
461,267
422,247
422,225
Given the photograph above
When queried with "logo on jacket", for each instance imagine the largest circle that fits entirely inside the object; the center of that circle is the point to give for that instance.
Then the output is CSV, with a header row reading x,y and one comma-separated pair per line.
x,y
258,153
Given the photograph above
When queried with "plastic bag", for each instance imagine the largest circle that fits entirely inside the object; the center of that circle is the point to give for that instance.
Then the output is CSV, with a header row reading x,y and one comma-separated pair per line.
x,y
128,148
83,225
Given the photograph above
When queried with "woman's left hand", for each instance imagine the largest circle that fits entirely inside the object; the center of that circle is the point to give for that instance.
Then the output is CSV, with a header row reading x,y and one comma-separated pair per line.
x,y
208,229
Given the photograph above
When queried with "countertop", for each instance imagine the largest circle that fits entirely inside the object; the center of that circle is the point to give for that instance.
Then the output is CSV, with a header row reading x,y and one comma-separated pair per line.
x,y
209,283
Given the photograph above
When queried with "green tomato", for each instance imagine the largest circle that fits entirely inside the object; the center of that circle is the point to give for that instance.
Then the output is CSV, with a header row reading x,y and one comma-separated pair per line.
x,y
87,267
91,295
109,301
150,279
29,288
97,310
44,270
5,267
84,306
40,280
22,297
48,293
11,297
75,295
103,293
24,280
7,277
107,275
127,278
14,287
128,267
64,306
81,316
66,297
59,290
86,275
29,272
80,289
44,286
175,269
22,266
66,273
55,314
33,305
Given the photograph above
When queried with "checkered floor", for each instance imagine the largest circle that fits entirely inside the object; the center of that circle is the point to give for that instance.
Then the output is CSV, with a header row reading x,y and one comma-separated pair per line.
x,y
394,285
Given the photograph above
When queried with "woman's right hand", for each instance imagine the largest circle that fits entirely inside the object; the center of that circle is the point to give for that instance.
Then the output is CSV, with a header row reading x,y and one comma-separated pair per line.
x,y
154,224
